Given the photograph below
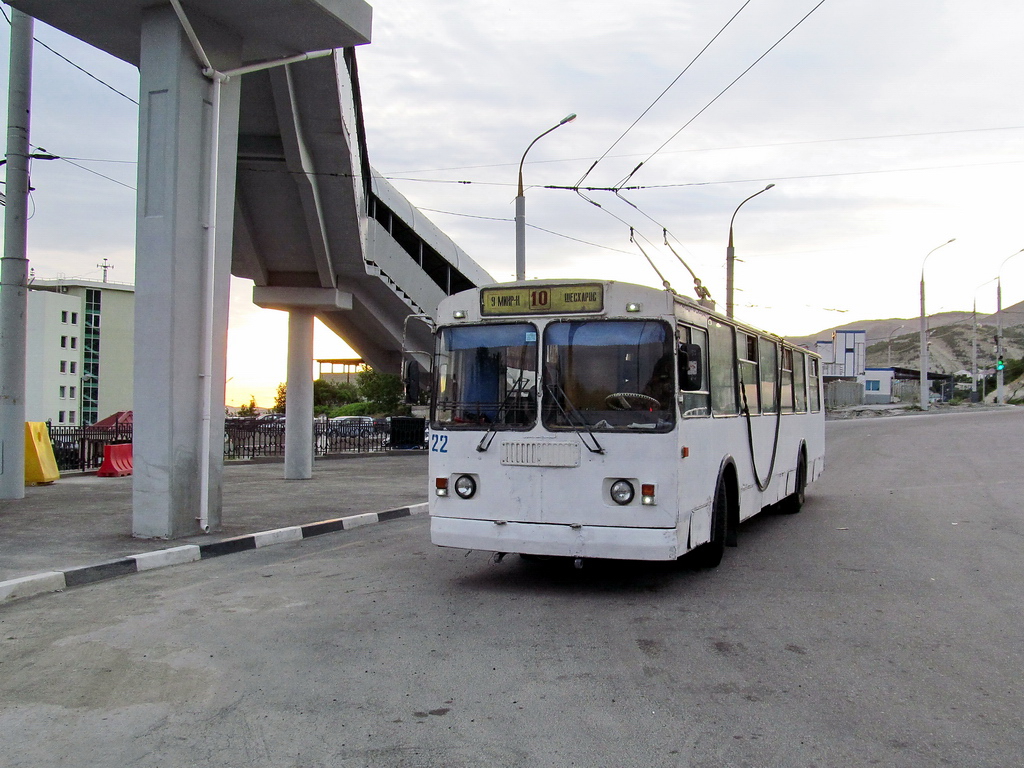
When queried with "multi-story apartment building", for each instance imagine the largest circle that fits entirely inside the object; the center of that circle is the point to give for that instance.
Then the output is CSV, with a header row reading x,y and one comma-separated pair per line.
x,y
845,355
80,350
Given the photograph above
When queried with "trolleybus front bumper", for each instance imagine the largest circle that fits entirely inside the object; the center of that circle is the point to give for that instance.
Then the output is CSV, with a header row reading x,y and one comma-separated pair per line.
x,y
559,540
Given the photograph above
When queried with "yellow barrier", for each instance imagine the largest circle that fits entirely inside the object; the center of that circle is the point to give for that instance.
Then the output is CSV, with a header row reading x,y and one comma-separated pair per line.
x,y
40,464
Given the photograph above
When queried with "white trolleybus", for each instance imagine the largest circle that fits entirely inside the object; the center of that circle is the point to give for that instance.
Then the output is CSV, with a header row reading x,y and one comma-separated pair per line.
x,y
609,420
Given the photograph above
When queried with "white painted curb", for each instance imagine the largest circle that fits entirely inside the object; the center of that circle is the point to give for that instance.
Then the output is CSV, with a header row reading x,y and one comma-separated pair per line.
x,y
278,536
355,521
26,586
147,561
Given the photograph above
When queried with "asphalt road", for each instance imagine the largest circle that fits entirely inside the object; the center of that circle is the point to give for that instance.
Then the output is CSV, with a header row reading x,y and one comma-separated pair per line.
x,y
881,626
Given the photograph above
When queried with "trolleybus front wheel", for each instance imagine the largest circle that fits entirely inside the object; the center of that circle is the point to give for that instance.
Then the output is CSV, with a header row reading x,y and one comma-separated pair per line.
x,y
710,555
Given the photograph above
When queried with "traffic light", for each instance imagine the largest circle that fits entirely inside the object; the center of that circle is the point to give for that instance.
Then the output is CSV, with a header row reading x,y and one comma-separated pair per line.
x,y
1000,365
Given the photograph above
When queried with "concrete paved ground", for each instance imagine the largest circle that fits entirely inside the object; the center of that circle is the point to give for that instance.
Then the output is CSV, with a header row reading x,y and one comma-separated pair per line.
x,y
83,519
880,627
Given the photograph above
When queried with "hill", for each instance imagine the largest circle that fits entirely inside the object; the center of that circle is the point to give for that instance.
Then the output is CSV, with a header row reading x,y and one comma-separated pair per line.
x,y
896,340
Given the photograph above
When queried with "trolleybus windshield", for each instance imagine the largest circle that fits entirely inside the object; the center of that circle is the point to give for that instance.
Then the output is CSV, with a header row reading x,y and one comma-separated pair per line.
x,y
609,375
486,376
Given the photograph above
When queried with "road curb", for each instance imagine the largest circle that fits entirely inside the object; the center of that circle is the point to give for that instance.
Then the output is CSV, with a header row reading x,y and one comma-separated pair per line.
x,y
58,581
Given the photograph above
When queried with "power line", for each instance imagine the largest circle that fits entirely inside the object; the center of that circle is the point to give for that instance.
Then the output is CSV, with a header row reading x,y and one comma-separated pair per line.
x,y
76,66
723,149
721,93
88,170
531,226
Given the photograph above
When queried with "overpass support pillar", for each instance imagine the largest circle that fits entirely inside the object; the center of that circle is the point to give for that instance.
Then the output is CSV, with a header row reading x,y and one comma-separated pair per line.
x,y
171,275
298,424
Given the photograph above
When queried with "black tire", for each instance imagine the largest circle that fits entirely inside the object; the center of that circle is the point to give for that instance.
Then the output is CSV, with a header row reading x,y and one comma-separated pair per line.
x,y
710,555
795,501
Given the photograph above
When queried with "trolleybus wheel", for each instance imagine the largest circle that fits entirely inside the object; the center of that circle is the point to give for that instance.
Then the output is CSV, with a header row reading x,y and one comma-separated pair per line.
x,y
795,501
710,555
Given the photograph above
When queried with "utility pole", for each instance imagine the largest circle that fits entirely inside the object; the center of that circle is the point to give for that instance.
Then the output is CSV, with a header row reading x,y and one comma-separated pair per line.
x,y
14,264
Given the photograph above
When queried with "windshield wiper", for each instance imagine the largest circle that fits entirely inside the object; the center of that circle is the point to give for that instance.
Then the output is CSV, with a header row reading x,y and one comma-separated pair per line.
x,y
517,391
555,390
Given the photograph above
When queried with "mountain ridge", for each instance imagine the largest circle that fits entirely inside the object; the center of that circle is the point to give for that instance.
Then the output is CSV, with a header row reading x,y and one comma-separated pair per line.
x,y
950,337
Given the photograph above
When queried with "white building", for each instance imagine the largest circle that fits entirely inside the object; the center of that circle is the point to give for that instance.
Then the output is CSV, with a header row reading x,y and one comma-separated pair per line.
x,y
53,360
845,355
877,384
79,336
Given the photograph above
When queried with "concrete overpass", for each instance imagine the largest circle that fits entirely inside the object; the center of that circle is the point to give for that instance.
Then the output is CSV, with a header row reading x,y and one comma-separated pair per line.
x,y
253,162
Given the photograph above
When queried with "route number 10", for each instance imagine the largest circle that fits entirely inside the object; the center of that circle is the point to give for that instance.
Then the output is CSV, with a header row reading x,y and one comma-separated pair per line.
x,y
540,299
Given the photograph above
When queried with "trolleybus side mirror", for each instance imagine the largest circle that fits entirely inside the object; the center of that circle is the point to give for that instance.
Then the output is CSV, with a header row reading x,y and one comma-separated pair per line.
x,y
690,371
412,382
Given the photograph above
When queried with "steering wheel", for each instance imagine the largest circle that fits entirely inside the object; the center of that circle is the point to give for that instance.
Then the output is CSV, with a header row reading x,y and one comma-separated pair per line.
x,y
630,401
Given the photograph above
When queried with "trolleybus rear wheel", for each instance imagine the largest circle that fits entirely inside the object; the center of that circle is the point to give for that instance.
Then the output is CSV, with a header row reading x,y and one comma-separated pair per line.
x,y
795,501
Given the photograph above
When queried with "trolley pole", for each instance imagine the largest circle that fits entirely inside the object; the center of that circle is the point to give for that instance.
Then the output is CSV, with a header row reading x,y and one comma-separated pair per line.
x,y
14,266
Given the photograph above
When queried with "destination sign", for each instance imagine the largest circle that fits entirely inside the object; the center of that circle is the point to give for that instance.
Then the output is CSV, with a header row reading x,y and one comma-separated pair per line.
x,y
542,299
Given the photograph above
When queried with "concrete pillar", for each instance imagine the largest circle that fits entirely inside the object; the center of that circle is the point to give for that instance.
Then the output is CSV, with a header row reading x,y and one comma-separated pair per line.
x,y
298,437
175,125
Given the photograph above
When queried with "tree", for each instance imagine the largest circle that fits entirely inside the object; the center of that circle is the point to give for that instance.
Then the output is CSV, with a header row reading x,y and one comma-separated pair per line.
x,y
383,390
248,410
280,398
329,393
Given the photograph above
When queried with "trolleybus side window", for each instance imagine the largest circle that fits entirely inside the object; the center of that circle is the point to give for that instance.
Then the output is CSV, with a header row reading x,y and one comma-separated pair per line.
x,y
787,380
723,369
609,375
486,376
800,381
769,374
814,384
696,401
749,379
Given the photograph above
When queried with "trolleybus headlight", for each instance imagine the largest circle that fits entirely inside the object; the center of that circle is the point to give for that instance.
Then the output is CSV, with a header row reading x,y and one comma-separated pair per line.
x,y
622,492
465,486
441,486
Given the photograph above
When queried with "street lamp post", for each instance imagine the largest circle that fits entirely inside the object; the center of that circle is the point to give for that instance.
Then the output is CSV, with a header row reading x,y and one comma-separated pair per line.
x,y
974,343
999,325
521,203
730,257
924,332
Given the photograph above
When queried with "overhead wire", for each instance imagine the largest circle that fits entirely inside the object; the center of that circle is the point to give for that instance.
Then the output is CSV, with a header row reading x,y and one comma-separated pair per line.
x,y
667,89
721,93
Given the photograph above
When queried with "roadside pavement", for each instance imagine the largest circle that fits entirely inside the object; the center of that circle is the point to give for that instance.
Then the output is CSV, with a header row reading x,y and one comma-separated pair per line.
x,y
81,521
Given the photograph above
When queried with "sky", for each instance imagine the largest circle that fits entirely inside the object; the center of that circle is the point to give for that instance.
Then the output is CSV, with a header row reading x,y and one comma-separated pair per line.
x,y
887,129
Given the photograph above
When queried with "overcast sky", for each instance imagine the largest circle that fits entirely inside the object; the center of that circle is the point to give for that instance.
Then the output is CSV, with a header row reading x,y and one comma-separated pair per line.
x,y
888,127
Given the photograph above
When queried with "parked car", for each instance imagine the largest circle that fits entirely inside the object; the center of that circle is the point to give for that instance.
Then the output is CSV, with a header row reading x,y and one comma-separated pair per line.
x,y
352,426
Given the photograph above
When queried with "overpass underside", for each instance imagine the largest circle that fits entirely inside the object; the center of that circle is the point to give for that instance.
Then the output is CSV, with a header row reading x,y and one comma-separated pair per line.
x,y
312,219
253,163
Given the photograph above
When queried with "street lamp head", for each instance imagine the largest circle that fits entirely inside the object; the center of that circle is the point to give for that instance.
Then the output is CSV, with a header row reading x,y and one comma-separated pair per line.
x,y
769,187
567,119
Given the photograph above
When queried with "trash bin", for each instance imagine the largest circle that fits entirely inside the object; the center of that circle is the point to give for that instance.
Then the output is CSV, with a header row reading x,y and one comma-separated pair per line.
x,y
408,432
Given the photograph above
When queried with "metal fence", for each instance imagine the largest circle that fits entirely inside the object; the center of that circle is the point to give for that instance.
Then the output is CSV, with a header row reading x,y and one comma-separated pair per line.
x,y
78,447
81,448
842,394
